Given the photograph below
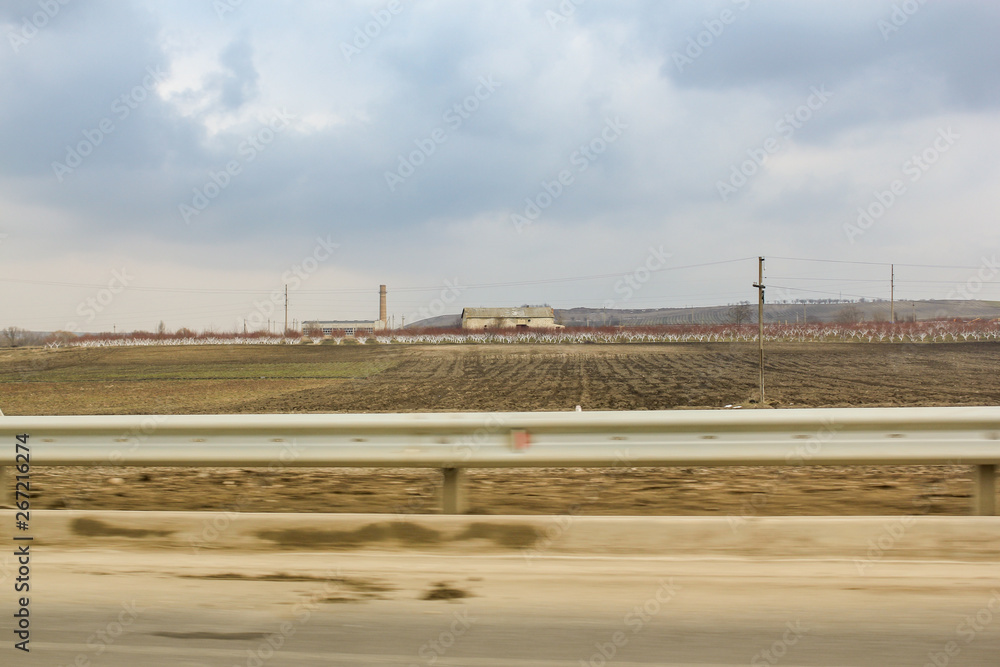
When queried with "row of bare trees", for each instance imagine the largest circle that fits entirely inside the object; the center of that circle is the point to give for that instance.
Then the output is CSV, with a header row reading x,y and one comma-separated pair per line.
x,y
740,313
18,337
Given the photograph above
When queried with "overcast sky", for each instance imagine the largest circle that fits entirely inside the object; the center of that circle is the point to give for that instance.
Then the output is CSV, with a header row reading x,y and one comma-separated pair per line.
x,y
180,161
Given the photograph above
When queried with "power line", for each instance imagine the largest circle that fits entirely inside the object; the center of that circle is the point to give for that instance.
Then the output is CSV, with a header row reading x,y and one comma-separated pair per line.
x,y
947,282
832,261
845,261
882,281
617,274
434,288
841,280
814,291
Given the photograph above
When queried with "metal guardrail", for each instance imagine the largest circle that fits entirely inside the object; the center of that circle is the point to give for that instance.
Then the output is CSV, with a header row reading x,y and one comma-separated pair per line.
x,y
455,441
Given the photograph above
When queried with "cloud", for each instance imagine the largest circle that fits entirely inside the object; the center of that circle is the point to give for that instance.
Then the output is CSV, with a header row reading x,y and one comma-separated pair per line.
x,y
238,83
413,92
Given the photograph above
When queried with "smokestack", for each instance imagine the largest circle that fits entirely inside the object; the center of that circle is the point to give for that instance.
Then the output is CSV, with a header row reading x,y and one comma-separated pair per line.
x,y
381,304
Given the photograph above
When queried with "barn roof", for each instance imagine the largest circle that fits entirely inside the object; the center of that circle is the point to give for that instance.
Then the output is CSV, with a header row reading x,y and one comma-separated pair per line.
x,y
530,311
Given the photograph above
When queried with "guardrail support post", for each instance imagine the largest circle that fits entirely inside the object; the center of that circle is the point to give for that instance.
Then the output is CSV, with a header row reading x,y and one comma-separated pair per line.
x,y
6,487
453,498
985,492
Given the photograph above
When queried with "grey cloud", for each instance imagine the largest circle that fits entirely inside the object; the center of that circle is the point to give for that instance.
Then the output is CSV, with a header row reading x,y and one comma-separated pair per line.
x,y
239,83
558,86
793,45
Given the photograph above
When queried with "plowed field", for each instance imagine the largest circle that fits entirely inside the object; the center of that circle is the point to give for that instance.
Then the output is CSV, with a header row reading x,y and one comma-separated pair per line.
x,y
398,378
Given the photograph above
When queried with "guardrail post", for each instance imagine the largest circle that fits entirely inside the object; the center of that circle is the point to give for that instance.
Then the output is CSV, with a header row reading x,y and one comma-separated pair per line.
x,y
985,492
452,496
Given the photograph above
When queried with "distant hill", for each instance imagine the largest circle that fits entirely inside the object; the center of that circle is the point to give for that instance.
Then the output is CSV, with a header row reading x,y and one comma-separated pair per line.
x,y
868,311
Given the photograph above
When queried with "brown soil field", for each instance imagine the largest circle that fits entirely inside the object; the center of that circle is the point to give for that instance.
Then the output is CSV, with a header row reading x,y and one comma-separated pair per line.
x,y
404,378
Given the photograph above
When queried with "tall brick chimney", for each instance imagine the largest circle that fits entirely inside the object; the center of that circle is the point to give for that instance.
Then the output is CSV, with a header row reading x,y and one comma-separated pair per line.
x,y
381,304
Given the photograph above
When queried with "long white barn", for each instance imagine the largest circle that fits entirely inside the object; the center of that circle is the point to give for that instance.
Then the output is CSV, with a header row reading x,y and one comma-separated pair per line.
x,y
529,317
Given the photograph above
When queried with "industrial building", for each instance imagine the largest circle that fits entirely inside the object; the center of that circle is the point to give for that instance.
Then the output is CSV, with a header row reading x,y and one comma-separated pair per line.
x,y
352,327
527,317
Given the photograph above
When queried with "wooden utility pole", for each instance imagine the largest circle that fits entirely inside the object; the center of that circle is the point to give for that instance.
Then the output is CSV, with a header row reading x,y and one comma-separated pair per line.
x,y
760,321
892,294
286,311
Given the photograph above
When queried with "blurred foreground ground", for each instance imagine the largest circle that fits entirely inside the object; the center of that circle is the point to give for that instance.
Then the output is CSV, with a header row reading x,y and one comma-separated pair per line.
x,y
134,607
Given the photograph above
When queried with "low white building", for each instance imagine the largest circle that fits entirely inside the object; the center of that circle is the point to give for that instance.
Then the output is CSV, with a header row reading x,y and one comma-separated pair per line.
x,y
349,327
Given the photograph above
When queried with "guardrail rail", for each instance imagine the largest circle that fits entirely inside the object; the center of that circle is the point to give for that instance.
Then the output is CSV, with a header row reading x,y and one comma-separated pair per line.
x,y
453,442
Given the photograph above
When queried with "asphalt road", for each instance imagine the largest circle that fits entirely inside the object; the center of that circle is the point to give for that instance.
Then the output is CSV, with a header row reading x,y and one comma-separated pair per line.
x,y
116,608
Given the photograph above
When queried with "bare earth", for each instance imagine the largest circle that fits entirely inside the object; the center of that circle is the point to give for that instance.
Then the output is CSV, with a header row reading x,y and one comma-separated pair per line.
x,y
397,378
